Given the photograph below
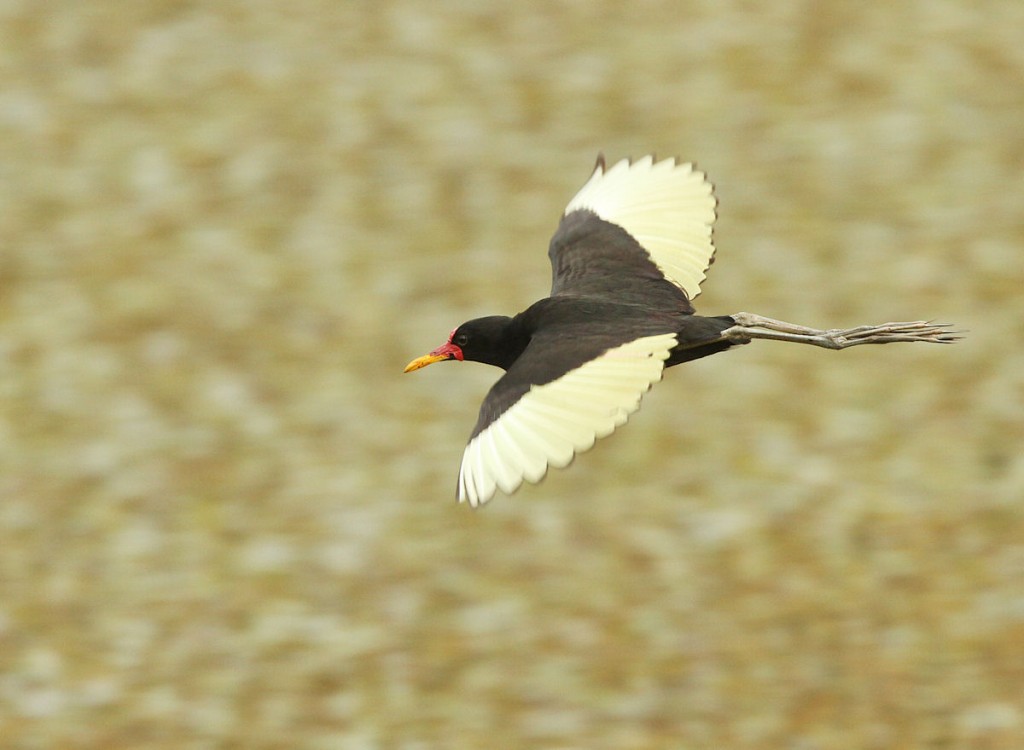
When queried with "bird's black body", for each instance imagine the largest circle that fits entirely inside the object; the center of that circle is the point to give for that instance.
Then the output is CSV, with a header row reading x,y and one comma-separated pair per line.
x,y
558,334
605,291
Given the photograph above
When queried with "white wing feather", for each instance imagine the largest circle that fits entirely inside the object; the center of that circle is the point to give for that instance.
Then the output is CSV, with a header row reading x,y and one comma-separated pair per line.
x,y
554,421
667,207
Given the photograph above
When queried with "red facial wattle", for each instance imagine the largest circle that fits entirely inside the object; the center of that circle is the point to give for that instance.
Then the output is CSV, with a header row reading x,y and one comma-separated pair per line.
x,y
447,350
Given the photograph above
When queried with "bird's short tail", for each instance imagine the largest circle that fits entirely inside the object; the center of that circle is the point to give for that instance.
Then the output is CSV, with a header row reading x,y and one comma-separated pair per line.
x,y
700,336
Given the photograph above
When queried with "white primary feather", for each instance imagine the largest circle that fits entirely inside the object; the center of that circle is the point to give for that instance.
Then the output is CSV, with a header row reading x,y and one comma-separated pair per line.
x,y
667,207
554,421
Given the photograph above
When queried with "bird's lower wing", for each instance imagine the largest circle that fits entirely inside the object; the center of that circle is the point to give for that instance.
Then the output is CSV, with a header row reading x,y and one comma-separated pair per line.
x,y
552,422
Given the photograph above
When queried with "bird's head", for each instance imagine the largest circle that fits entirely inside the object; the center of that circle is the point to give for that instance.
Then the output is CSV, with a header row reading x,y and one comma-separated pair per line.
x,y
488,340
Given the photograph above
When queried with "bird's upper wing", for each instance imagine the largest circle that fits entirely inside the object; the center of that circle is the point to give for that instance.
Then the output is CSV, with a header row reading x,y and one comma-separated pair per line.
x,y
527,425
634,223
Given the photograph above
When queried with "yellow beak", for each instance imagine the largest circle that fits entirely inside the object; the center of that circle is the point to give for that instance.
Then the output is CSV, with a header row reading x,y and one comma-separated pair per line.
x,y
426,359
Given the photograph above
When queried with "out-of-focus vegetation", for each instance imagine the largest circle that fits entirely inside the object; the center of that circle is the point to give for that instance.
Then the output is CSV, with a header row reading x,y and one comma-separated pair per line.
x,y
226,517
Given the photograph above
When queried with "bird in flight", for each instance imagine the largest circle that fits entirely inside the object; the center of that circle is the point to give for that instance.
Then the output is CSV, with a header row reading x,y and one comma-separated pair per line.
x,y
627,259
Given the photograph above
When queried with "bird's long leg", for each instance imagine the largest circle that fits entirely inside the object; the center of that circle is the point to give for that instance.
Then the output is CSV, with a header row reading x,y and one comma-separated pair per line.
x,y
749,326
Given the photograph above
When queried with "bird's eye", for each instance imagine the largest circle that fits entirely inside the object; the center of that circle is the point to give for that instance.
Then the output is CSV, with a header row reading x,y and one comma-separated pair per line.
x,y
461,340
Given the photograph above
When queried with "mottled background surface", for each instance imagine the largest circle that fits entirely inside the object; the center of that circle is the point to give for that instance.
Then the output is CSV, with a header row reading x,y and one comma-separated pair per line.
x,y
227,518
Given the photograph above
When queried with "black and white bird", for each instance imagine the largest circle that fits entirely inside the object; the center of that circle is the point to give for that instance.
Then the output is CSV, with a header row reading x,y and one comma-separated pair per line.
x,y
627,259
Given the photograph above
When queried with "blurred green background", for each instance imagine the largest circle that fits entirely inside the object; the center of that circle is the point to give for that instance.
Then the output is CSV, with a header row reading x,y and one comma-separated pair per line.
x,y
227,520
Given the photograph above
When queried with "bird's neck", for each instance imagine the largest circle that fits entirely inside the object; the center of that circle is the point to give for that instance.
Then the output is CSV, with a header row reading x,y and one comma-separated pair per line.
x,y
512,341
